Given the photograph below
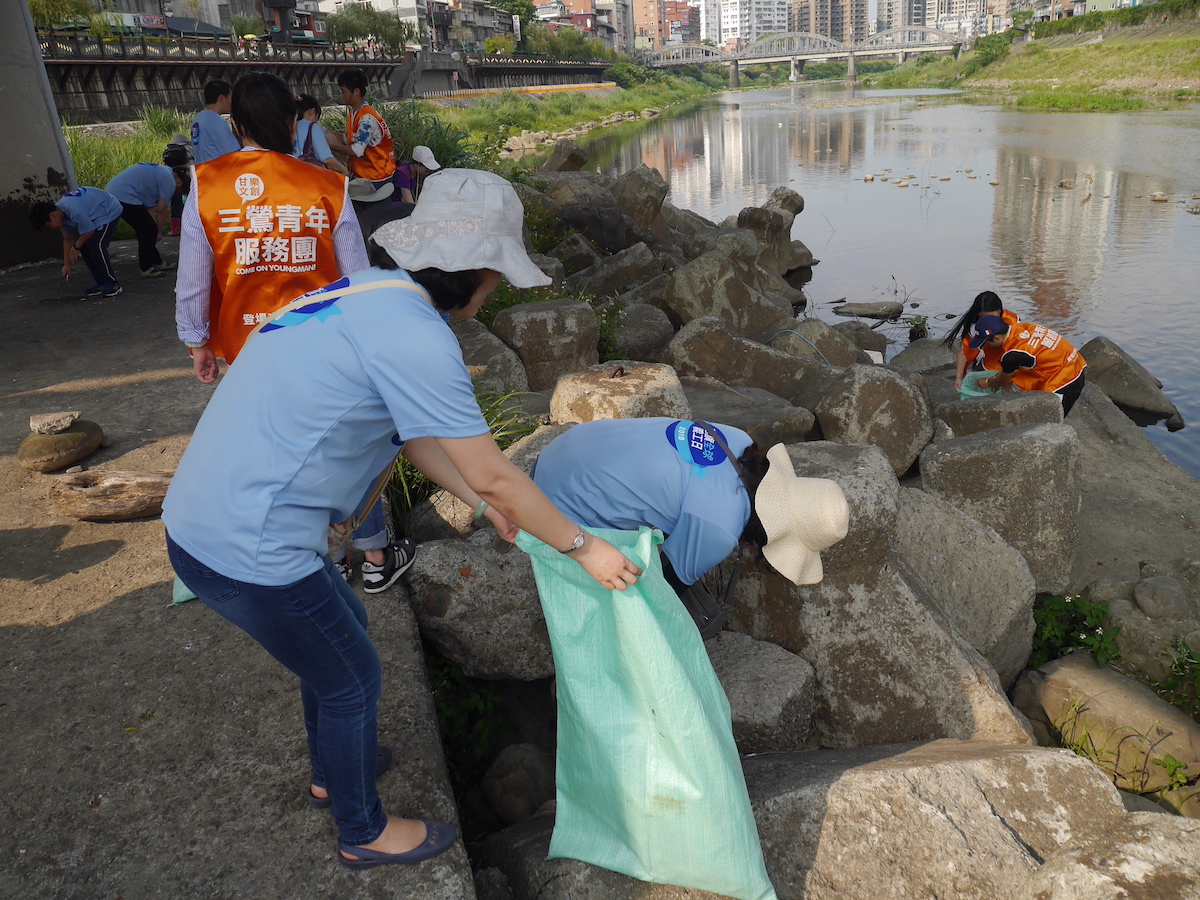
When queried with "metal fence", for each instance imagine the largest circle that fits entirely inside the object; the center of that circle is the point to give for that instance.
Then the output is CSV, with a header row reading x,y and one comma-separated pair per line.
x,y
83,47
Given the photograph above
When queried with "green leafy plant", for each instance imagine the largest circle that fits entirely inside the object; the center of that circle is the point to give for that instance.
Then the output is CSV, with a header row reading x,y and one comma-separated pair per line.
x,y
1176,771
1068,623
472,719
1181,687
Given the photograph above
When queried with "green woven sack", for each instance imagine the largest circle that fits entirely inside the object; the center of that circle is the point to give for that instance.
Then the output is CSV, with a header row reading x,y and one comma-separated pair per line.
x,y
648,778
970,385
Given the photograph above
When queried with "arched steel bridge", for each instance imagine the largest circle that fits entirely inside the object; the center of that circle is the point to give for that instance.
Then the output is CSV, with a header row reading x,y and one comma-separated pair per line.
x,y
803,45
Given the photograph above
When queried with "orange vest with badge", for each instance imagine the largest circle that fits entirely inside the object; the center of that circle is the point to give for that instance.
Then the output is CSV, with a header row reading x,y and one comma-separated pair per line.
x,y
989,357
269,219
1058,362
377,162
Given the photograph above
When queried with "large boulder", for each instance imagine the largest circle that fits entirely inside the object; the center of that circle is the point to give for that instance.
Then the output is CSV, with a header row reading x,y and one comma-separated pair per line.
x,y
1143,856
612,275
640,193
477,604
493,365
739,245
863,335
553,338
576,253
977,414
969,821
619,390
1125,380
1153,615
710,286
773,228
767,418
889,665
871,309
981,583
1118,723
1024,483
641,332
924,355
708,347
49,452
567,157
589,208
876,405
814,339
770,691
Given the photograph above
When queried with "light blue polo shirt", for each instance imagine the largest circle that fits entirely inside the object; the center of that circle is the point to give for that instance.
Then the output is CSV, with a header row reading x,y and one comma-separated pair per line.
x,y
626,473
305,421
89,208
143,184
320,145
212,137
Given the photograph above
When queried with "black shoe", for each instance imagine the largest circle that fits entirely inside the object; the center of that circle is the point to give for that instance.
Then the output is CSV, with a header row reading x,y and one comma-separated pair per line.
x,y
399,557
112,290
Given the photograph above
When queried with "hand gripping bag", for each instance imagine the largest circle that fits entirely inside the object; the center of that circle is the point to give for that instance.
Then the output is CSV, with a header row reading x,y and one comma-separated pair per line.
x,y
648,778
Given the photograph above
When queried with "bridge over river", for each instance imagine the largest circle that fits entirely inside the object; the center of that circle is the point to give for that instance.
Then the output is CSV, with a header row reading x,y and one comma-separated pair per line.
x,y
799,47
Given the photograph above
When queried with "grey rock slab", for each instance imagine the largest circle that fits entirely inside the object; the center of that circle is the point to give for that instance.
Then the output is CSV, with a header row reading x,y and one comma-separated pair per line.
x,y
52,423
642,332
981,583
477,603
863,335
876,405
613,275
494,366
567,157
640,193
1144,856
771,692
1000,411
884,309
710,286
1162,596
767,418
552,338
519,782
963,820
816,340
924,355
576,253
1124,379
1024,482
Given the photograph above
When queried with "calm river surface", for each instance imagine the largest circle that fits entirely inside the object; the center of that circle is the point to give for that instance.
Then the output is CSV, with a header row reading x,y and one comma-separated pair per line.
x,y
1097,259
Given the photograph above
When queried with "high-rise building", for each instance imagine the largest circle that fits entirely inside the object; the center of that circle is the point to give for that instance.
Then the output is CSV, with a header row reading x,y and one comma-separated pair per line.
x,y
899,13
745,21
649,25
842,20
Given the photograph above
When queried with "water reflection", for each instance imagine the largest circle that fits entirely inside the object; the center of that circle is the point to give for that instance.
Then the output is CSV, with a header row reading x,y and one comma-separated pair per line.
x,y
1067,235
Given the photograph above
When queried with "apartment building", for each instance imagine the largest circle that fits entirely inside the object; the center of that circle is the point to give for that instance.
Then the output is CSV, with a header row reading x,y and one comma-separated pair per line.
x,y
843,20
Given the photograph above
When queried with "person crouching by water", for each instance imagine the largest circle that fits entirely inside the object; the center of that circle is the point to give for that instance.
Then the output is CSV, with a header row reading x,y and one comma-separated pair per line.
x,y
316,407
1033,358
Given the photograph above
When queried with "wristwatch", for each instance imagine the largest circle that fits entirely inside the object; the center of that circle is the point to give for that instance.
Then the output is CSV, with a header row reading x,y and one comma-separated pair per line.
x,y
577,543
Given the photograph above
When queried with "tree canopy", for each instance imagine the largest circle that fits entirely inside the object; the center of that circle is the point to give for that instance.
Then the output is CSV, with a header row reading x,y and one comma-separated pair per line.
x,y
360,21
53,13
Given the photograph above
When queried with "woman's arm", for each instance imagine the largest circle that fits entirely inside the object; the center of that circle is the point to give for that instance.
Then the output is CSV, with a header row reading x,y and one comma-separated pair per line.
x,y
960,367
434,464
493,477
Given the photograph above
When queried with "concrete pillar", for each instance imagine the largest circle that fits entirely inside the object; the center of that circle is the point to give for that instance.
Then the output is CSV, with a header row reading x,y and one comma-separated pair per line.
x,y
900,57
735,78
850,74
795,73
34,164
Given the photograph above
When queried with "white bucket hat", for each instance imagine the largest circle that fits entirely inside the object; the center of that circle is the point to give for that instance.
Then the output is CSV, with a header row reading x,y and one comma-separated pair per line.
x,y
364,192
465,219
802,516
424,156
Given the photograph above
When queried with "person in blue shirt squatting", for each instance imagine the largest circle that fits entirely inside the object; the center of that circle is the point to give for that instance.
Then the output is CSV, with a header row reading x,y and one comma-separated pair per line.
x,y
316,406
87,218
145,191
211,134
677,477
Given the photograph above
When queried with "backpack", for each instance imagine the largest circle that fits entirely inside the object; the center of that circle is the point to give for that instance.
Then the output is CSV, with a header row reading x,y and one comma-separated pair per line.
x,y
177,153
307,153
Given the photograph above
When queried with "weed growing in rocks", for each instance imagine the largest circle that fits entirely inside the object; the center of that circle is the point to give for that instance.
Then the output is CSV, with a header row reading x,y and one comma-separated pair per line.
x,y
1182,687
1069,623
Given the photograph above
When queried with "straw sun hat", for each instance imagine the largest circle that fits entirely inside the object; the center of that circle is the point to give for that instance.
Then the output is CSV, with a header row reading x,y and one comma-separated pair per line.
x,y
802,516
464,219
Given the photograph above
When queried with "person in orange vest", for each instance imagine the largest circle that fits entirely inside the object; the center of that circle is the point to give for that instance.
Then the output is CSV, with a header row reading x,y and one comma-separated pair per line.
x,y
985,303
260,227
1032,357
372,154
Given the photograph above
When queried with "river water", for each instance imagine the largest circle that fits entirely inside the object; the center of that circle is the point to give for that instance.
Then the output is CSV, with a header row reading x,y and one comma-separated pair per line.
x,y
1096,258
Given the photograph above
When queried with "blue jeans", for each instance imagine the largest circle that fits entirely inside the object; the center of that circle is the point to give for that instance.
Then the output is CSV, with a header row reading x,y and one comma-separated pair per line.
x,y
317,628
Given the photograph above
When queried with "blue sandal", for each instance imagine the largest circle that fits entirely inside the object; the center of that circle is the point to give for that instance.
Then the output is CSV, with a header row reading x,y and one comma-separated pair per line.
x,y
383,762
439,837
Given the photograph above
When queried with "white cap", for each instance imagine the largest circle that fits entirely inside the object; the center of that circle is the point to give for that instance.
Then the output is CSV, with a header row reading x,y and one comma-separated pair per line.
x,y
424,156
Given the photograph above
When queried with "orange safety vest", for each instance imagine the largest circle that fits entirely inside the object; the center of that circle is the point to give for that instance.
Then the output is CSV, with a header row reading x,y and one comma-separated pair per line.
x,y
989,357
269,219
1057,364
377,162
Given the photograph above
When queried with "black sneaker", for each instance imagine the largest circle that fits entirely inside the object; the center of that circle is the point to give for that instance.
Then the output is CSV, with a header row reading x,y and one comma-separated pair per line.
x,y
399,557
94,291
112,290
